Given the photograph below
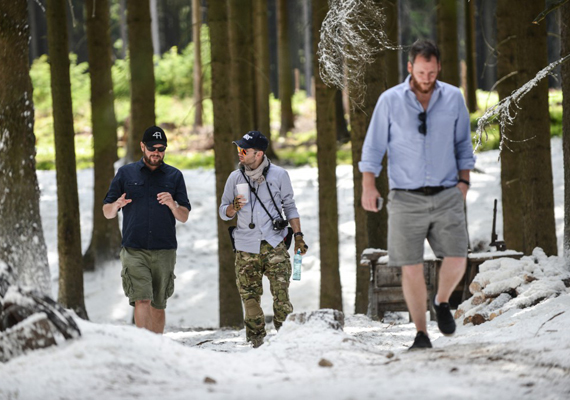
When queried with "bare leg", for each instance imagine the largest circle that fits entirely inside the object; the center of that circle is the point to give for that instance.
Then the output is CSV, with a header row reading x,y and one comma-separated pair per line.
x,y
415,293
142,314
158,319
451,272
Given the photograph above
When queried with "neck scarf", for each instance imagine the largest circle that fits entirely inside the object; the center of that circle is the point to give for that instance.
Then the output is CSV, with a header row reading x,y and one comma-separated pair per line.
x,y
256,175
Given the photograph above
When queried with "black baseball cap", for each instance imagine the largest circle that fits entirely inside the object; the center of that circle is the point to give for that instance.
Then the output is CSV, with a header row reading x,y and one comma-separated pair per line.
x,y
154,135
253,140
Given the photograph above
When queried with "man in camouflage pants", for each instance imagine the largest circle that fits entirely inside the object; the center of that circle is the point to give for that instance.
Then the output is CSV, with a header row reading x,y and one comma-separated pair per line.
x,y
260,232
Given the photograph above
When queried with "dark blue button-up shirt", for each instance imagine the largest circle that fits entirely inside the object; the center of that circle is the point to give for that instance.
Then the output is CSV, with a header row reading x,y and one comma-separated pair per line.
x,y
147,224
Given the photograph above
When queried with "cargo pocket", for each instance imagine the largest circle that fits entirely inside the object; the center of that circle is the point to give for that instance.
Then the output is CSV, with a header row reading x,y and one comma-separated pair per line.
x,y
170,287
127,283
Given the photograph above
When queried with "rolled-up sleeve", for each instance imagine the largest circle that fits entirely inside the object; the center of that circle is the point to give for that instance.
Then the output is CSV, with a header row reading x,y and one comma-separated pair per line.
x,y
287,197
376,141
463,145
227,198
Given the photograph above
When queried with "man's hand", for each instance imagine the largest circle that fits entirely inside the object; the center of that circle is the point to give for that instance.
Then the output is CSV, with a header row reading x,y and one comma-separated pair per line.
x,y
166,199
110,210
464,188
370,199
180,213
122,201
239,202
369,192
300,245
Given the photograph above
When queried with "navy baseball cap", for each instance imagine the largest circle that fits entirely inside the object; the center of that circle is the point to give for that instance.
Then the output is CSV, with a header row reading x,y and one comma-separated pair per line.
x,y
154,135
253,140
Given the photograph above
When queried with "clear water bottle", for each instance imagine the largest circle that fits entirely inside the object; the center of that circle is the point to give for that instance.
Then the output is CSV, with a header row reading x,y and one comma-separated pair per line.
x,y
297,262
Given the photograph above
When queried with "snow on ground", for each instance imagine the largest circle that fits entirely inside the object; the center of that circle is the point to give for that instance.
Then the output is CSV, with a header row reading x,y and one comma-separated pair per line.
x,y
524,353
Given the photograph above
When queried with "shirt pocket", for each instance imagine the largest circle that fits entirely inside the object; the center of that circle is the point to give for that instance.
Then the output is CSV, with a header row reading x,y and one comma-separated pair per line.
x,y
165,187
135,189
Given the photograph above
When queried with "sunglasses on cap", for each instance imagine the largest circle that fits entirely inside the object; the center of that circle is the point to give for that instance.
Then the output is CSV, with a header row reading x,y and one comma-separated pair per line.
x,y
160,149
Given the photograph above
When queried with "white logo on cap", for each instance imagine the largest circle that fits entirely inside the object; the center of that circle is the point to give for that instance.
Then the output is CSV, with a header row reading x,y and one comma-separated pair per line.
x,y
247,136
157,135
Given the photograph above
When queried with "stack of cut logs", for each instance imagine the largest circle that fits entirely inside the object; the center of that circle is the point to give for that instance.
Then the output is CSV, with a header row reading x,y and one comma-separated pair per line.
x,y
503,284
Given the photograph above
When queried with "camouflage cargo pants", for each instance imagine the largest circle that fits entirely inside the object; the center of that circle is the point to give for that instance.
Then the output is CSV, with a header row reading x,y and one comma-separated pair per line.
x,y
250,268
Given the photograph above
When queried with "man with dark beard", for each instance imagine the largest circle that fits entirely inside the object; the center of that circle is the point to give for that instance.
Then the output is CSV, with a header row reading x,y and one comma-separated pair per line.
x,y
260,233
423,124
153,197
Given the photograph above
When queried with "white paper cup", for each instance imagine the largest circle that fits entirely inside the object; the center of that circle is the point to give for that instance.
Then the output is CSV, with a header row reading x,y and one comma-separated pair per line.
x,y
243,189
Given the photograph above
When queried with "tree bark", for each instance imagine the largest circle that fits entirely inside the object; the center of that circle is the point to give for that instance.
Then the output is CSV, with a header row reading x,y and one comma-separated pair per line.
x,y
198,92
447,41
565,72
308,48
372,228
230,310
142,75
470,57
22,243
241,71
261,75
106,237
284,68
68,230
331,291
526,169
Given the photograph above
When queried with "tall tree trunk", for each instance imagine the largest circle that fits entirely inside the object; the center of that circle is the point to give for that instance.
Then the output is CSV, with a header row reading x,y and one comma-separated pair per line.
x,y
470,57
123,28
372,228
526,169
565,72
154,27
106,237
142,75
261,75
331,291
19,191
68,230
241,71
308,48
447,41
196,38
284,68
230,310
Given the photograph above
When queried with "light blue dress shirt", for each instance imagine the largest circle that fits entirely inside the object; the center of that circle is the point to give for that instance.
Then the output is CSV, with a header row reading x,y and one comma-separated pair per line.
x,y
247,239
416,160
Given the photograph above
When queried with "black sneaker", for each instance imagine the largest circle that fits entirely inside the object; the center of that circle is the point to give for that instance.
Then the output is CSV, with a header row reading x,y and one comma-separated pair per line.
x,y
445,321
421,341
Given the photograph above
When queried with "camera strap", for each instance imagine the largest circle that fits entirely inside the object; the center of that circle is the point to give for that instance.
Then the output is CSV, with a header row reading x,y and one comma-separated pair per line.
x,y
252,189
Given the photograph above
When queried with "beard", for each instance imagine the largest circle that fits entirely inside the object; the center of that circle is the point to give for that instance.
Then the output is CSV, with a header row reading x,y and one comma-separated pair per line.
x,y
153,160
422,88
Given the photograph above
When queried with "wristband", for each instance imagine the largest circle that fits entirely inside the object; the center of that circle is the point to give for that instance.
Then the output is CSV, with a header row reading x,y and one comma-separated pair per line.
x,y
298,234
465,182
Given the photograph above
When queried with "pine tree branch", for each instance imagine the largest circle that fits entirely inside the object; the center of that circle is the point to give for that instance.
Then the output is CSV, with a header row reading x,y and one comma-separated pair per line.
x,y
504,113
553,6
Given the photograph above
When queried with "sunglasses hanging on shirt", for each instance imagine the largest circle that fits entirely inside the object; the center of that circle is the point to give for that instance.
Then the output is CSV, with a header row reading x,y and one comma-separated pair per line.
x,y
423,126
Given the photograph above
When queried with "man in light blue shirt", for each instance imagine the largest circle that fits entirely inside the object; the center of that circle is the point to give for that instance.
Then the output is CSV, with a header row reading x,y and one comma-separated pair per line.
x,y
260,232
423,125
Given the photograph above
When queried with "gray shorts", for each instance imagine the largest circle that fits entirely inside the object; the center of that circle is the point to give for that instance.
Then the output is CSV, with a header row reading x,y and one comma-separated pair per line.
x,y
413,217
148,275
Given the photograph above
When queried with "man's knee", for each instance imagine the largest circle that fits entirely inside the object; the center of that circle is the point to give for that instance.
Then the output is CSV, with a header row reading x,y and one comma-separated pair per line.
x,y
142,303
413,271
252,308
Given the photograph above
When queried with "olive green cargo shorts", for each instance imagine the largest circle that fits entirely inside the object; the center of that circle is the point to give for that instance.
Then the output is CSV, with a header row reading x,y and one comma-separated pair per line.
x,y
148,275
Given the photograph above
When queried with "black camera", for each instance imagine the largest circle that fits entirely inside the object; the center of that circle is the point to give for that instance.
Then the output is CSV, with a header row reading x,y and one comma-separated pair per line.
x,y
280,224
